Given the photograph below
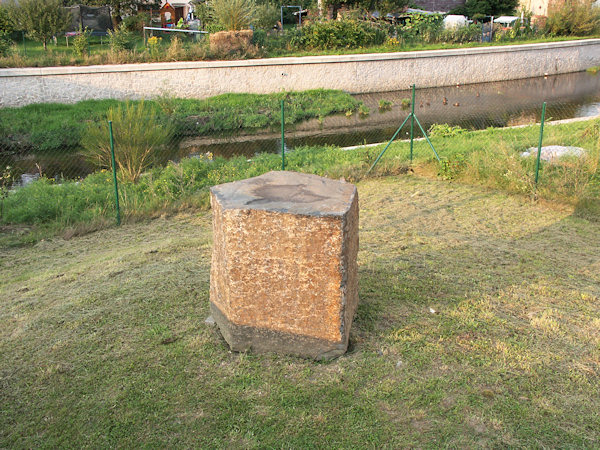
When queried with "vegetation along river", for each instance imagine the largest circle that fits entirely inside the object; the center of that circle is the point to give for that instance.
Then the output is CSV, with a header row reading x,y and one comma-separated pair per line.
x,y
476,106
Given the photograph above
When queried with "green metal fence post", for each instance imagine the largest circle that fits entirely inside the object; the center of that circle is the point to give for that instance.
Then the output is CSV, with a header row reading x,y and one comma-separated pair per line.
x,y
114,167
428,140
388,144
412,123
282,136
539,153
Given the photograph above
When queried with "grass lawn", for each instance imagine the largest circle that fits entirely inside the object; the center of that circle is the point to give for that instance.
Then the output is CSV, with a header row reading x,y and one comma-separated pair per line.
x,y
103,341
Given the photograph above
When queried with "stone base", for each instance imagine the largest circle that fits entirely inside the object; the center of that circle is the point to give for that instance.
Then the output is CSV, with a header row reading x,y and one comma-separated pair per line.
x,y
243,338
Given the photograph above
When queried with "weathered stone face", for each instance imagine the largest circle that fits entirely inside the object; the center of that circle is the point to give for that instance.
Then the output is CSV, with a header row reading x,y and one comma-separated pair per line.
x,y
284,271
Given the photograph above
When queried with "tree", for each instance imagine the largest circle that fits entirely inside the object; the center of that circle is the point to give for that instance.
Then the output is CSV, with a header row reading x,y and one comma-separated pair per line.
x,y
41,19
490,7
6,24
383,6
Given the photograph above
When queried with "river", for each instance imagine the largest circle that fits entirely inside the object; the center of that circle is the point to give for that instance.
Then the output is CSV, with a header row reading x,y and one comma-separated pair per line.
x,y
475,106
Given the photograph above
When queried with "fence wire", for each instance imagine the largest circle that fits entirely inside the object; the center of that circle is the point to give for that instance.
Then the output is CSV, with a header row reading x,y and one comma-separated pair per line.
x,y
45,141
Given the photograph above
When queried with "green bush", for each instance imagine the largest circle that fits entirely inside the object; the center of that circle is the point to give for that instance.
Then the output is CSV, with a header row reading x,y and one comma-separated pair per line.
x,y
140,133
136,22
81,42
290,39
6,25
385,105
420,27
445,130
5,43
70,202
259,38
266,16
481,8
120,39
573,18
342,34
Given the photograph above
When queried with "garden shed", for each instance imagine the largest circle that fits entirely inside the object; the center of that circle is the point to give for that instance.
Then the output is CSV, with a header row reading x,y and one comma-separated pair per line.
x,y
167,16
171,12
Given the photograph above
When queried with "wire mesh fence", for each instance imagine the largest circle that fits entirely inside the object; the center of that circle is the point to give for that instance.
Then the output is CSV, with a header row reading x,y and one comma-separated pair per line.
x,y
61,143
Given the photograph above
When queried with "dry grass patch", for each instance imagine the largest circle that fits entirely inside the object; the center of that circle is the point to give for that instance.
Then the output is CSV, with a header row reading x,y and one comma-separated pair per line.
x,y
231,42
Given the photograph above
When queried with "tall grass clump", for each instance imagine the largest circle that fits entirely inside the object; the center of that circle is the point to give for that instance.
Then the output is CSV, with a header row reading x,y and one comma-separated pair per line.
x,y
233,15
140,133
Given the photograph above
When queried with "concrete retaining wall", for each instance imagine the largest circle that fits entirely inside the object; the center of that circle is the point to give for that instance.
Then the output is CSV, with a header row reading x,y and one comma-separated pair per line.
x,y
351,73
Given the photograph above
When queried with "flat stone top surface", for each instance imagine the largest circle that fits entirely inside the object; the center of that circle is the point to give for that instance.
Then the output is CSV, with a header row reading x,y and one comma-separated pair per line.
x,y
287,192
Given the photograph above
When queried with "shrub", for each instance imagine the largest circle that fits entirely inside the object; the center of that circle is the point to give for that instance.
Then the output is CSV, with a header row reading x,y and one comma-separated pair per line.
x,y
120,39
445,130
420,26
490,7
139,134
266,16
136,22
342,34
289,39
385,105
81,42
6,25
460,35
259,38
593,70
6,181
234,15
5,43
363,110
573,18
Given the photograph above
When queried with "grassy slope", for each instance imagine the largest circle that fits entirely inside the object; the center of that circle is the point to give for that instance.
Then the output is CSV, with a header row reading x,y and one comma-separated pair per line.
x,y
102,339
59,127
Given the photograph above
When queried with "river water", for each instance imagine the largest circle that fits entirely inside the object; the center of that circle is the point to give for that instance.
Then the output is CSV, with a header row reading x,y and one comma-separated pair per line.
x,y
475,106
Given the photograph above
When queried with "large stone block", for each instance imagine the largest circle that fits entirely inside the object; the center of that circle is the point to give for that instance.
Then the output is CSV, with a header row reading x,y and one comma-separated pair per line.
x,y
284,272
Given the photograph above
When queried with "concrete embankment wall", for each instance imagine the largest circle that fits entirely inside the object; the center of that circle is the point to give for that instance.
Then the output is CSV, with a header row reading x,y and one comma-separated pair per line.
x,y
352,73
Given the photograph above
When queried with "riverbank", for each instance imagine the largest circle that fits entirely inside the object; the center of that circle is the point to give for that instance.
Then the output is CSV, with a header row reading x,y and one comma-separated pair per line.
x,y
46,138
357,73
490,158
